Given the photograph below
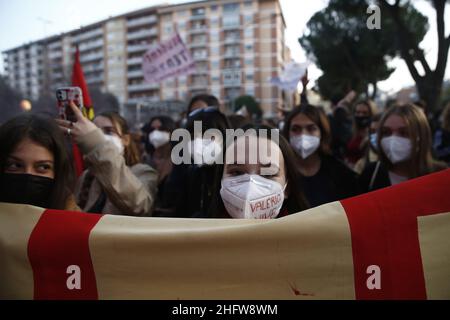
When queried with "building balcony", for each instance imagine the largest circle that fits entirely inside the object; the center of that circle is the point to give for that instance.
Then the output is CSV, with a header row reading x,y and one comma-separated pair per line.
x,y
198,44
135,74
138,48
232,40
232,54
133,61
198,85
142,34
231,26
55,54
142,87
141,21
197,17
91,57
55,46
200,57
87,35
94,79
143,99
92,68
91,45
198,29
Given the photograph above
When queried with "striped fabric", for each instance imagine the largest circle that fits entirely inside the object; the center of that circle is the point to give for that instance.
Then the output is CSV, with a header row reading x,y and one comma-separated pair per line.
x,y
389,244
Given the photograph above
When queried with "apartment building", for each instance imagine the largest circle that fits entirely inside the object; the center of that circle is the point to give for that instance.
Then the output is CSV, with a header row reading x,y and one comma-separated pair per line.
x,y
236,44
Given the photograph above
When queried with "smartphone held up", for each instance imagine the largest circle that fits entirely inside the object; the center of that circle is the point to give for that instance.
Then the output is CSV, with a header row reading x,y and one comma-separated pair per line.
x,y
64,95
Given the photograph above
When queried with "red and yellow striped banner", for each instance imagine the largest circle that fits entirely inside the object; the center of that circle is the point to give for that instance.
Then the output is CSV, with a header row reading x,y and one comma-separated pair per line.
x,y
389,244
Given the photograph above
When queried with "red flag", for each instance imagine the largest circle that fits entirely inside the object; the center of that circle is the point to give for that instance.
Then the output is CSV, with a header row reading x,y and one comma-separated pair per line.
x,y
78,81
88,109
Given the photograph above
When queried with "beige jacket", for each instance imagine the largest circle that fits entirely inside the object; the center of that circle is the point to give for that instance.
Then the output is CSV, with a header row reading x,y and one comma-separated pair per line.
x,y
129,190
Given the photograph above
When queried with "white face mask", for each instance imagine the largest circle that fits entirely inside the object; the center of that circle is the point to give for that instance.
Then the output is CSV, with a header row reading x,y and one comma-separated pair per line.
x,y
305,145
205,151
252,197
397,149
116,141
158,138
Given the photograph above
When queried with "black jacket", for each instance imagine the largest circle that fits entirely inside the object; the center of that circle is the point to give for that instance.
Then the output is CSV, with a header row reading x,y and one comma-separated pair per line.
x,y
370,180
334,181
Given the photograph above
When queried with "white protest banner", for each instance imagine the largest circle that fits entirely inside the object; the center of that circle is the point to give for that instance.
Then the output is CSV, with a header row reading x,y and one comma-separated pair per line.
x,y
290,77
169,58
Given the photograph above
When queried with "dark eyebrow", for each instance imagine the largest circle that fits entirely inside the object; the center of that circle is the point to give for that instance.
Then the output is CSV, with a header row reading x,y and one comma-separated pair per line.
x,y
44,161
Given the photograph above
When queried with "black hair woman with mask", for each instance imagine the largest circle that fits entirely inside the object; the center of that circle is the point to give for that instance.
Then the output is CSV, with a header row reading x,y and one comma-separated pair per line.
x,y
324,178
362,116
35,165
192,181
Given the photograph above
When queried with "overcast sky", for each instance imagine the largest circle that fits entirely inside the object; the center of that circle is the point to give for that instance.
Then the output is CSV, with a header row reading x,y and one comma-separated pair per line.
x,y
22,21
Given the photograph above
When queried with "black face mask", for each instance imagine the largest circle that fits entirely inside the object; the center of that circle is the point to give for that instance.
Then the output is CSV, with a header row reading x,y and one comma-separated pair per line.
x,y
26,189
363,122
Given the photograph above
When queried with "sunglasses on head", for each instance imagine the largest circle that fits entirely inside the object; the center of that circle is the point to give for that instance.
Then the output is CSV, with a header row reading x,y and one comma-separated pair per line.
x,y
207,109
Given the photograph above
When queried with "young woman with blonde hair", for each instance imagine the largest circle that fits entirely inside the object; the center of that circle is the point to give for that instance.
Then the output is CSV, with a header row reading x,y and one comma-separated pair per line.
x,y
404,148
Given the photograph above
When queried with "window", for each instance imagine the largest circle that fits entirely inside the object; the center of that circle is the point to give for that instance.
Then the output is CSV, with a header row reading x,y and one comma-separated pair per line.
x,y
249,77
231,21
198,12
248,19
231,8
248,32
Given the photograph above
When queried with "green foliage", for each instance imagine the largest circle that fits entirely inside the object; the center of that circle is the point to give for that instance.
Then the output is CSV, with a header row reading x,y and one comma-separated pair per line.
x,y
351,55
251,104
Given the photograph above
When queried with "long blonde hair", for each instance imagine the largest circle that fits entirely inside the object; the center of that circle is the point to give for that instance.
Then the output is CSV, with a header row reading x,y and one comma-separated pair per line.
x,y
419,132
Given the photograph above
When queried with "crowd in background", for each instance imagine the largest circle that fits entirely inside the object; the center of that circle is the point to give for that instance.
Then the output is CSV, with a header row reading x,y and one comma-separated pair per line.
x,y
322,158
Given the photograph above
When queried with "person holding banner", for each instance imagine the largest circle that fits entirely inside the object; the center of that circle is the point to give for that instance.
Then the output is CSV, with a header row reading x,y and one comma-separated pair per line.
x,y
261,190
35,164
115,181
404,148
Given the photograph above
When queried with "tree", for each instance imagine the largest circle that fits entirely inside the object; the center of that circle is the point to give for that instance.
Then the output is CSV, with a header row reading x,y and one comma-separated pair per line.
x,y
9,101
103,101
351,55
429,83
47,104
251,105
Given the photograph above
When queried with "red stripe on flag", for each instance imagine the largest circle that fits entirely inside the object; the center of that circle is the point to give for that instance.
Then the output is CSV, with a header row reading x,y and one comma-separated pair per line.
x,y
59,240
384,232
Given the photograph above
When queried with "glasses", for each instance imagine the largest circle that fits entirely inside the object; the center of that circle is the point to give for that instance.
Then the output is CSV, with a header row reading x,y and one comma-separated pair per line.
x,y
207,109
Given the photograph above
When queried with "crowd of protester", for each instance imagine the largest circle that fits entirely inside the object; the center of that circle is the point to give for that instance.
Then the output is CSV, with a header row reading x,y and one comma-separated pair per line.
x,y
319,158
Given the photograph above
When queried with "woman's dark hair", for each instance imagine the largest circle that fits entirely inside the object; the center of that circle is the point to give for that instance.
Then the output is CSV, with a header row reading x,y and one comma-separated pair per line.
x,y
316,115
45,132
295,202
238,121
167,124
131,152
211,119
210,100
